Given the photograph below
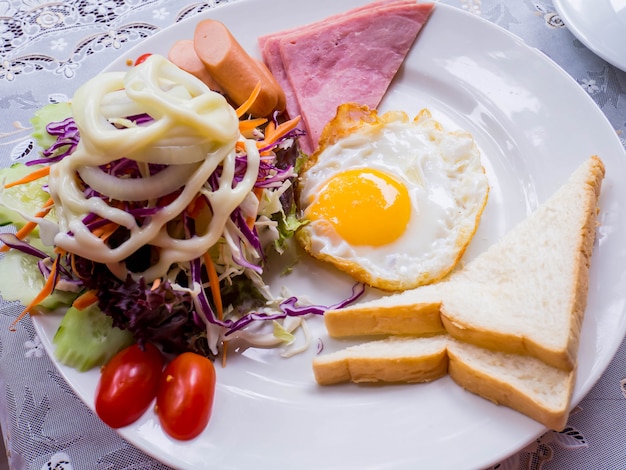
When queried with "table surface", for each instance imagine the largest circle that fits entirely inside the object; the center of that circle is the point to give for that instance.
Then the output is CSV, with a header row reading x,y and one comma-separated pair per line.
x,y
47,49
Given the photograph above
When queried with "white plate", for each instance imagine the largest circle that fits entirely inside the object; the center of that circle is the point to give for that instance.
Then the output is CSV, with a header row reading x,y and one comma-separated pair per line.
x,y
600,25
534,126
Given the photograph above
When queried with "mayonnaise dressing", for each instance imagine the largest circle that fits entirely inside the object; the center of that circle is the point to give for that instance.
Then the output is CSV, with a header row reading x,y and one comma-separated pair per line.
x,y
194,131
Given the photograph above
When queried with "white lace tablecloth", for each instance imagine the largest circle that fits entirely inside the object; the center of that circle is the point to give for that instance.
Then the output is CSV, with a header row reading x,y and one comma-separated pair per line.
x,y
47,49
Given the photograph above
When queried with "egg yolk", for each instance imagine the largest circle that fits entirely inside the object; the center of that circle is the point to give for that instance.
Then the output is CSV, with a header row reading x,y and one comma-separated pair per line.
x,y
365,206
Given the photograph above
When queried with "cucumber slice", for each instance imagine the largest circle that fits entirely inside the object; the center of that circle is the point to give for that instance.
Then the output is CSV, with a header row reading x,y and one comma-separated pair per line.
x,y
53,112
27,198
87,338
21,280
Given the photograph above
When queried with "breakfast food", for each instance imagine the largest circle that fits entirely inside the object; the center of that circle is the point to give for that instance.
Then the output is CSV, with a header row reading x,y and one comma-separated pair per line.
x,y
513,314
208,126
348,57
391,201
538,275
522,383
526,294
394,359
149,216
234,70
183,55
414,312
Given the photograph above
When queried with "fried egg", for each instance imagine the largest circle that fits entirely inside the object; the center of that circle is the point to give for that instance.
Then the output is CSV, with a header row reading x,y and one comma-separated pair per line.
x,y
392,201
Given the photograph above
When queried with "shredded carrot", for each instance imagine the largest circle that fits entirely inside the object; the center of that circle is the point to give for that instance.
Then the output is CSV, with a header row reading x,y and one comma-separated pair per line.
x,y
241,110
258,192
192,206
48,288
269,129
283,128
104,232
215,284
249,124
60,251
217,296
35,175
240,146
224,352
272,135
196,206
155,284
73,264
167,200
30,226
85,300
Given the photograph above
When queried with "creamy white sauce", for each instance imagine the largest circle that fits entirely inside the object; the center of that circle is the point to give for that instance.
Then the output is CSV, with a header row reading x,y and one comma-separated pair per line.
x,y
194,131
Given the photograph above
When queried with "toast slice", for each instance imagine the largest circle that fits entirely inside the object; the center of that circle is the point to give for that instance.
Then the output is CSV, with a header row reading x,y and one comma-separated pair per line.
x,y
414,312
525,295
522,383
394,359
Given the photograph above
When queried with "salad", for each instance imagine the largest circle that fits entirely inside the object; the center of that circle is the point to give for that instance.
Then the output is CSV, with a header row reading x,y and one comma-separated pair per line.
x,y
149,217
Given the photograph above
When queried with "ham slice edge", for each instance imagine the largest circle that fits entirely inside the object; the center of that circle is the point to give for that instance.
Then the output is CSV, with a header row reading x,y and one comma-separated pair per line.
x,y
329,62
270,49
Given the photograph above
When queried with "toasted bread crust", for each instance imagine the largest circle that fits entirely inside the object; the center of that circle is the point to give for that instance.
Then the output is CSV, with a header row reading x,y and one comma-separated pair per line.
x,y
501,392
395,359
384,369
416,319
505,379
544,377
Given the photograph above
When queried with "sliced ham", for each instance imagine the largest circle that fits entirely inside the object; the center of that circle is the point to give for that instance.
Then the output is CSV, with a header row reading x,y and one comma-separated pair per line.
x,y
271,50
274,62
352,56
301,29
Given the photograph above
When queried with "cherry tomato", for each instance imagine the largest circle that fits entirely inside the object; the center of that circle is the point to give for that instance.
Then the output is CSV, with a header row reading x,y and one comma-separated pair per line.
x,y
185,397
142,58
128,384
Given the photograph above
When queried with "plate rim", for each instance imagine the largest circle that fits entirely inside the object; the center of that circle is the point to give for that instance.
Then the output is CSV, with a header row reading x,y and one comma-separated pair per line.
x,y
578,30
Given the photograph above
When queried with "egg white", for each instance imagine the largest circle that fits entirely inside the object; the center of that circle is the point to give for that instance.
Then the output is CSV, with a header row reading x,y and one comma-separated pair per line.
x,y
445,180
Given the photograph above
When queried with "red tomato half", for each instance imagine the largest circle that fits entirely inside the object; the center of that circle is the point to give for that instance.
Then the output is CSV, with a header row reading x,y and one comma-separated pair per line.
x,y
185,396
128,384
142,58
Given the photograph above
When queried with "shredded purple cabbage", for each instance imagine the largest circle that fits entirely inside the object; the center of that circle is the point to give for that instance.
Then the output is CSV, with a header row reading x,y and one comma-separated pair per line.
x,y
93,221
140,119
320,346
164,315
67,134
15,243
288,308
129,168
250,235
